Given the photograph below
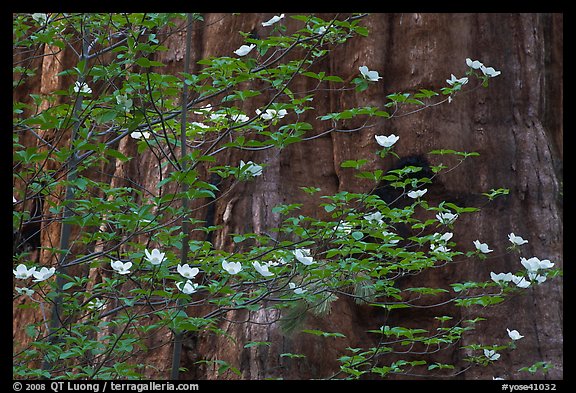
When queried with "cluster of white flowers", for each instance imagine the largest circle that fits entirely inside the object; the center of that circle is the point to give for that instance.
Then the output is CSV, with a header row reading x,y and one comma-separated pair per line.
x,y
439,243
23,273
533,266
487,71
272,114
245,49
493,355
187,287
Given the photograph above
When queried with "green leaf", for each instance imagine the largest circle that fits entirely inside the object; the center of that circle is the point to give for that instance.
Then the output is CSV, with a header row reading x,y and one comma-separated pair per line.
x,y
257,344
68,285
322,333
353,163
143,62
292,355
357,235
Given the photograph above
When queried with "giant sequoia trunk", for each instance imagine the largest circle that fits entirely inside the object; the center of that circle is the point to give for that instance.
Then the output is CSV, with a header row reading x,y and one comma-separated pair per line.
x,y
515,125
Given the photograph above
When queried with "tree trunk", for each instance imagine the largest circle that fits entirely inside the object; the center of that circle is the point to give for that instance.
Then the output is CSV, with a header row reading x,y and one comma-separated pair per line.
x,y
515,125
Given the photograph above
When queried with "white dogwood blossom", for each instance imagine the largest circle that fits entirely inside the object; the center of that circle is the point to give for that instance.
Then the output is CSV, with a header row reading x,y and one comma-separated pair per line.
x,y
534,264
140,135
43,274
189,287
82,88
303,255
514,335
482,247
262,269
272,114
244,50
454,80
231,267
517,240
491,354
370,75
22,272
297,290
186,271
273,20
25,291
155,257
386,141
501,277
417,193
121,267
446,217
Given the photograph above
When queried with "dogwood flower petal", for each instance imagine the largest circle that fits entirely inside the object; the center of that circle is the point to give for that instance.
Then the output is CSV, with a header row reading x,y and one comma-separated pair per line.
x,y
96,304
521,282
489,71
374,218
81,88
